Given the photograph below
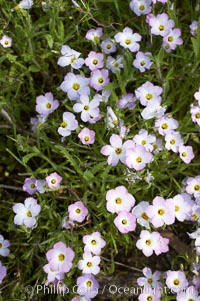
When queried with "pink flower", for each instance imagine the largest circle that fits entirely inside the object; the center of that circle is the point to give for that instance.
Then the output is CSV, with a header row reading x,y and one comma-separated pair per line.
x,y
186,153
145,139
87,286
193,186
6,41
60,257
171,40
161,212
87,136
93,243
176,280
197,96
181,207
99,79
94,60
149,93
195,113
119,199
125,222
53,180
46,104
194,27
89,264
128,39
77,211
166,124
138,157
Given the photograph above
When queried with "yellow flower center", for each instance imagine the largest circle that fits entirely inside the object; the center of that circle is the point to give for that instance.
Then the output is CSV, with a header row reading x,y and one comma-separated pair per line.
x,y
127,41
100,80
115,122
48,105
149,96
149,298
172,141
32,185
63,124
148,242
150,280
108,46
86,138
89,264
196,187
164,126
78,211
29,214
177,208
6,42
197,115
61,257
118,201
116,64
89,283
95,62
124,221
194,216
170,39
161,211
167,46
76,86
53,181
1,245
118,151
86,108
183,154
142,63
143,142
141,7
73,59
176,282
144,216
161,27
139,159
93,242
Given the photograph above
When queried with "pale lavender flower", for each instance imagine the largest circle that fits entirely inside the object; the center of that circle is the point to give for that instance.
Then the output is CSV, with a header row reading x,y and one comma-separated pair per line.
x,y
108,46
99,78
125,222
127,101
150,294
51,274
24,4
77,211
140,7
145,139
115,64
94,60
30,185
40,186
173,141
87,136
149,93
70,57
161,24
4,244
68,124
166,124
93,243
171,40
153,110
128,39
53,180
186,153
143,61
89,109
75,85
45,105
140,212
193,186
87,286
60,257
150,279
89,264
6,41
26,213
36,122
3,272
194,27
67,223
181,207
176,280
190,294
94,35
195,113
138,157
112,119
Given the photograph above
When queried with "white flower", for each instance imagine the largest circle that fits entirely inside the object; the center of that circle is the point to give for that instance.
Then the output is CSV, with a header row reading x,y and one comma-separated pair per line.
x,y
24,4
